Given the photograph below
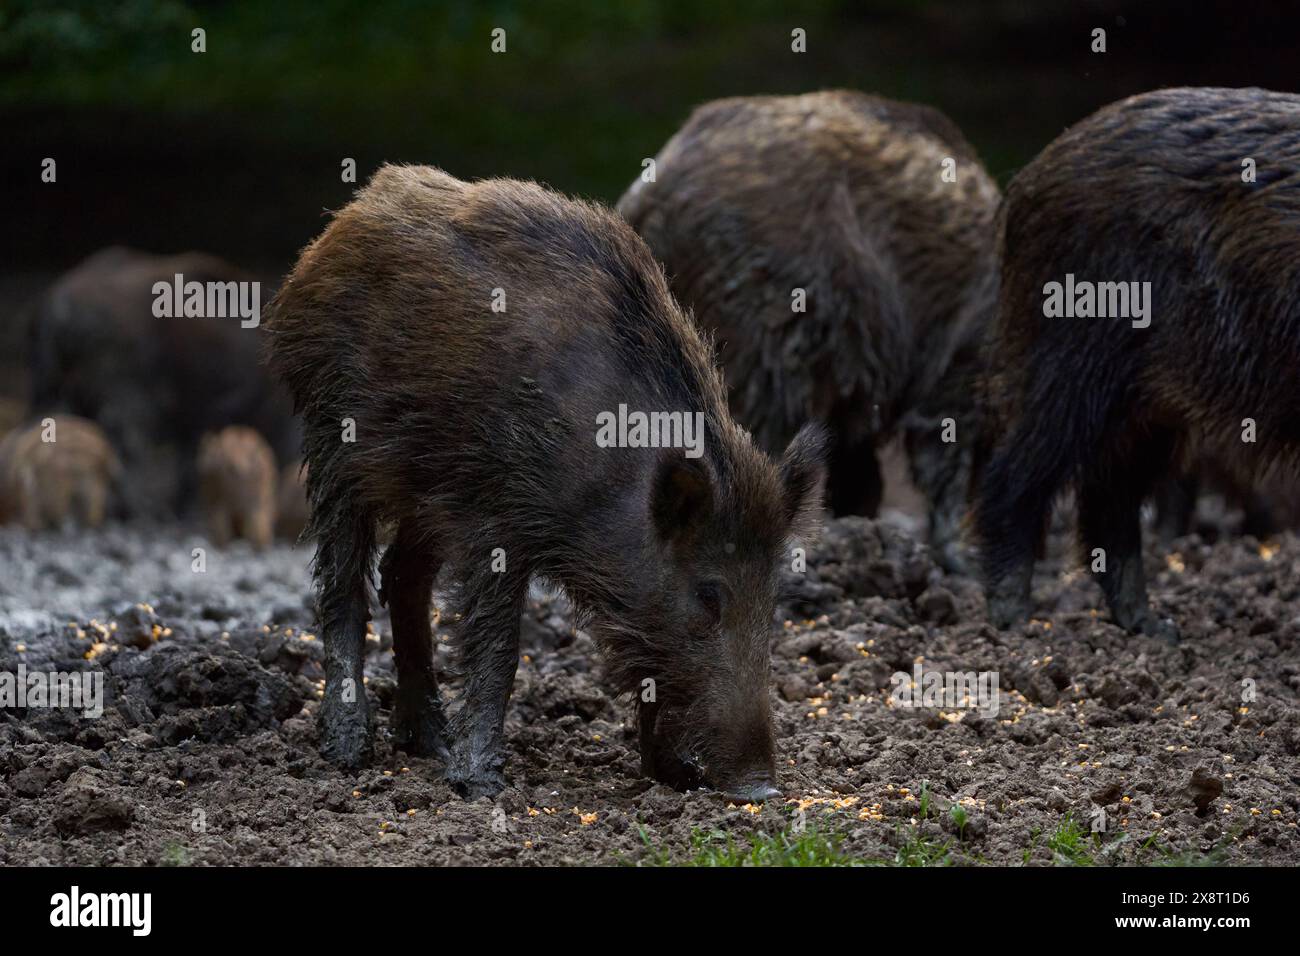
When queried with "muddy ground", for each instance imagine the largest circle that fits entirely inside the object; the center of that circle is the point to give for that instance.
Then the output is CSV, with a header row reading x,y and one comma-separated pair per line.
x,y
205,753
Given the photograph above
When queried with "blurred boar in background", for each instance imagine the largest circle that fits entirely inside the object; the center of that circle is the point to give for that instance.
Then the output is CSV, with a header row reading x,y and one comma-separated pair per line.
x,y
1174,218
1267,506
382,332
839,248
236,471
291,507
155,382
56,472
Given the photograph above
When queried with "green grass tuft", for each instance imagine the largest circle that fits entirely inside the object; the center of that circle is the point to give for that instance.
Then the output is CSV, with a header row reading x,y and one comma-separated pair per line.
x,y
174,854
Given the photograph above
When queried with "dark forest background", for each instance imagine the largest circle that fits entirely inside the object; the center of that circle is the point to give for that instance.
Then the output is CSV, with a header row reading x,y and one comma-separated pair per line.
x,y
237,150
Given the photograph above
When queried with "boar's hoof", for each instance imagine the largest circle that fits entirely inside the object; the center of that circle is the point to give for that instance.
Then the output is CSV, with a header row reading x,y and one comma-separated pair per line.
x,y
1152,625
419,727
952,560
1006,609
345,735
483,782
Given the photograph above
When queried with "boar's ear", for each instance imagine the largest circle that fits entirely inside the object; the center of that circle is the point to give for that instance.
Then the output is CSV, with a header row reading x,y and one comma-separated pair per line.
x,y
681,497
803,478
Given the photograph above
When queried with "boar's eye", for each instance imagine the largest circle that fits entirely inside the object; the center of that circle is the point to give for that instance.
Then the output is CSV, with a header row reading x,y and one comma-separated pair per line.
x,y
709,594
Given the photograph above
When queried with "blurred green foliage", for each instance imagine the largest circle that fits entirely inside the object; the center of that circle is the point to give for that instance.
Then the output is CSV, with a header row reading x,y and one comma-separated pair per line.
x,y
53,49
139,50
585,88
243,142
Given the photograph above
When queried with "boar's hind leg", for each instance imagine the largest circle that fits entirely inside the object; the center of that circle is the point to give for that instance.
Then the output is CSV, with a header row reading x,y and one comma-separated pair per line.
x,y
1175,500
1110,505
408,569
489,648
345,549
1011,512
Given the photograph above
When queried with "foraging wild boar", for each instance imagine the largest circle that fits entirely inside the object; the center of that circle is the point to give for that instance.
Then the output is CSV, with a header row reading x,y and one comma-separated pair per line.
x,y
55,471
291,501
457,350
154,384
844,276
1175,210
236,470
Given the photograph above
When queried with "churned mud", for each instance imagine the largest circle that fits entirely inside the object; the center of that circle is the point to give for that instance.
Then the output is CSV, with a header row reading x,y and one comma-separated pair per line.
x,y
206,750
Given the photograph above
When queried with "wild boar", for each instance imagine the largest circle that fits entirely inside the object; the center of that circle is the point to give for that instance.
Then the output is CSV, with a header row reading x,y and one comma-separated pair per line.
x,y
58,471
236,470
459,353
155,383
1147,317
839,248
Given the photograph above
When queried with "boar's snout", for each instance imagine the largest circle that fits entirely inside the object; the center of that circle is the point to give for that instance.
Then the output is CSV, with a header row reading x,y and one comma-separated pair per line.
x,y
754,791
733,757
743,769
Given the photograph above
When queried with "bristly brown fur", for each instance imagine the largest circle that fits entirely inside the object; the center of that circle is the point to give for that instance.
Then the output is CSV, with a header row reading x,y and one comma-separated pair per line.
x,y
237,476
44,484
1148,189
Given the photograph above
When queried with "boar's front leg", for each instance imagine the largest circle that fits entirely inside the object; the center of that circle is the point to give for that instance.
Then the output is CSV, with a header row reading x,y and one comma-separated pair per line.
x,y
489,645
407,571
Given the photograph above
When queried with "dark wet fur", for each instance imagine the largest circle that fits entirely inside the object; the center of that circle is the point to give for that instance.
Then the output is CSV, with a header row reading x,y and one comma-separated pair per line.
x,y
1146,189
838,193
